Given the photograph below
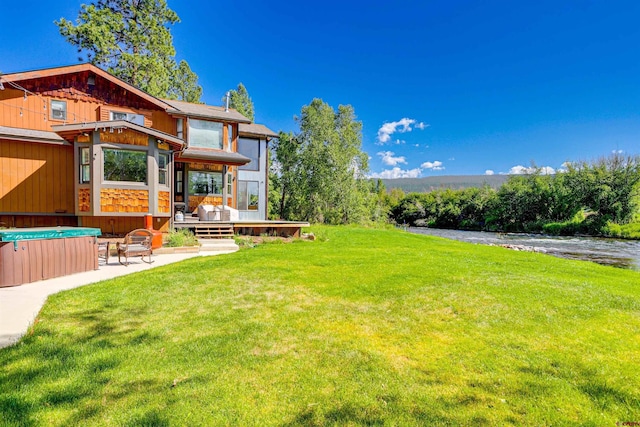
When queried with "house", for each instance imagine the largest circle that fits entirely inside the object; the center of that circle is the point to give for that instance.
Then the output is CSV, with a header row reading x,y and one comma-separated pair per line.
x,y
81,147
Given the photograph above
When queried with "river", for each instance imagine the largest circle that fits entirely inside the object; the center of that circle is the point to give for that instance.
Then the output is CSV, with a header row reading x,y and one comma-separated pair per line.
x,y
618,253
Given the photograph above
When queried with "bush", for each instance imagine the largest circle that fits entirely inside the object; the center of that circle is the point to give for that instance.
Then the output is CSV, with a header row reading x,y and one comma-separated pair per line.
x,y
625,231
182,237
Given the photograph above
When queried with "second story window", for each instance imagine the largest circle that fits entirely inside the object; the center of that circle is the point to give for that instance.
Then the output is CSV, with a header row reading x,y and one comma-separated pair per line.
x,y
180,128
130,117
204,134
250,148
58,110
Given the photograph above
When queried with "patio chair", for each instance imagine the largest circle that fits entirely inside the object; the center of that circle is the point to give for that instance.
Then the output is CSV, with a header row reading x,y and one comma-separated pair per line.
x,y
103,251
136,243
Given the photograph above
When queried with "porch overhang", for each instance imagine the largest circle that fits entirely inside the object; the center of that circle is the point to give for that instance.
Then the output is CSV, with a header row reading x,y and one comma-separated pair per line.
x,y
70,131
214,156
29,135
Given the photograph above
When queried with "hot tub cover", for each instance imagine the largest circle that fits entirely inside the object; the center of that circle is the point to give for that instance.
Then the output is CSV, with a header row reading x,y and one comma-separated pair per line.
x,y
38,233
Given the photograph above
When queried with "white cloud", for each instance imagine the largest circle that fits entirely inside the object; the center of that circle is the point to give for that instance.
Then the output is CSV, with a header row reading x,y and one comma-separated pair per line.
x,y
389,158
397,173
521,170
489,172
436,165
401,126
617,151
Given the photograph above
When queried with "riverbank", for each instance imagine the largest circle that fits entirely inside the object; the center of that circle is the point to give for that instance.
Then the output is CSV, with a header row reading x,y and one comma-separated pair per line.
x,y
606,251
361,326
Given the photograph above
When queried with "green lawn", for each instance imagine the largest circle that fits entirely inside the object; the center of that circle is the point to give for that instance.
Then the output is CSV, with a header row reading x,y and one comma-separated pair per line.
x,y
361,327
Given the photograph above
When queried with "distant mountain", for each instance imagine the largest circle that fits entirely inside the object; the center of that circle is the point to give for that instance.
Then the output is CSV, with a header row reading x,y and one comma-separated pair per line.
x,y
454,182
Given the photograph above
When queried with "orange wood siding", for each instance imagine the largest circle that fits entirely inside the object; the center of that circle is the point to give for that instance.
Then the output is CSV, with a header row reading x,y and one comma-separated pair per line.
x,y
84,200
124,200
194,201
32,109
113,225
164,202
36,178
124,136
20,221
164,123
123,224
36,111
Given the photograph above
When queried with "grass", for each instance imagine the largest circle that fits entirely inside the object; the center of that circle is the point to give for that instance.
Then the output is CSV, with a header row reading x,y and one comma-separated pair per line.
x,y
360,327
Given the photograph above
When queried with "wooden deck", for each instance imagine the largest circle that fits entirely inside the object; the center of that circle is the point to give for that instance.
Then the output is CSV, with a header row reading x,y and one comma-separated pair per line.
x,y
225,229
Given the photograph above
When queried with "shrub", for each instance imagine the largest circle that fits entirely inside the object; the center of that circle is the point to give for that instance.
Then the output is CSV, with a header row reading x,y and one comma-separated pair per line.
x,y
182,237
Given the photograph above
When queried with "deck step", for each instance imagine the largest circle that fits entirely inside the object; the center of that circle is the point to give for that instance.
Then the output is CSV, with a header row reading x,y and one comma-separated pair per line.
x,y
218,245
214,231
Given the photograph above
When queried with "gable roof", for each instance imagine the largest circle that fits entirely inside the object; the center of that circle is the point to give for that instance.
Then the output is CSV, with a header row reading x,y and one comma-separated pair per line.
x,y
255,129
204,111
71,69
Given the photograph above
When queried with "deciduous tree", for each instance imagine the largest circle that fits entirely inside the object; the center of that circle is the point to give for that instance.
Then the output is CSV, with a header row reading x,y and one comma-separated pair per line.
x,y
322,169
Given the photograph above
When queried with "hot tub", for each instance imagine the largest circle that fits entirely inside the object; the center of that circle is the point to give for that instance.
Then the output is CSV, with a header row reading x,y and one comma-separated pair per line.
x,y
31,254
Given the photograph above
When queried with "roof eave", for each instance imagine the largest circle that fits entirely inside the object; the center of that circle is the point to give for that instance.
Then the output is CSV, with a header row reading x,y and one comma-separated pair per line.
x,y
48,72
75,128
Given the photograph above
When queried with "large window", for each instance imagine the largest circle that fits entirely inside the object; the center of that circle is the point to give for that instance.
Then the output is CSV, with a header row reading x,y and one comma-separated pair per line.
x,y
205,134
248,195
250,148
204,183
125,165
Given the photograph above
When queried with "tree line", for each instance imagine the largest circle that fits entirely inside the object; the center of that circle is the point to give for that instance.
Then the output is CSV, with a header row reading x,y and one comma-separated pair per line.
x,y
590,197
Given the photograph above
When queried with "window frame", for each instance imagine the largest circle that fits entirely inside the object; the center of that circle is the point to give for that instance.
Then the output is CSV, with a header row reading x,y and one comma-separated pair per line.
x,y
63,109
163,171
146,166
129,117
85,165
254,160
242,198
194,130
207,193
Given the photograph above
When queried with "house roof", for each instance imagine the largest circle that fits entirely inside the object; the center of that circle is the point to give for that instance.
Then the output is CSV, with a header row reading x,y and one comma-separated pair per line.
x,y
69,131
255,129
70,69
204,111
29,135
217,156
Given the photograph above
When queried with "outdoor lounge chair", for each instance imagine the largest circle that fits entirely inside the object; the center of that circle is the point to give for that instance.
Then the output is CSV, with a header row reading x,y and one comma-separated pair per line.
x,y
136,243
208,213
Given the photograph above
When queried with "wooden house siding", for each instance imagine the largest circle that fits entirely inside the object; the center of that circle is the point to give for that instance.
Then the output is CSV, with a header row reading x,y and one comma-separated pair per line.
x,y
36,178
122,200
122,224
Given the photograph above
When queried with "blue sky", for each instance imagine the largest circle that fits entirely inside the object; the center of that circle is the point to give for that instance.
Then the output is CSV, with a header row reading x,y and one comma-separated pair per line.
x,y
441,87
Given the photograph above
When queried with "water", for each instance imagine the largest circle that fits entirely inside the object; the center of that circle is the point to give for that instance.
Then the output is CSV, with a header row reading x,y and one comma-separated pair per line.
x,y
618,253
